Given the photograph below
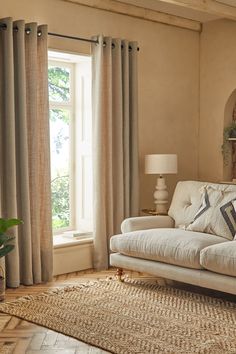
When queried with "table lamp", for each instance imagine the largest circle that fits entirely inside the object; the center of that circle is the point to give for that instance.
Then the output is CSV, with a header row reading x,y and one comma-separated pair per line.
x,y
161,164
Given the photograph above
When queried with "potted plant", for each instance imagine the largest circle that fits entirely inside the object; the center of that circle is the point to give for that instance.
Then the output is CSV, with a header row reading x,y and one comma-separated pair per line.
x,y
229,132
5,247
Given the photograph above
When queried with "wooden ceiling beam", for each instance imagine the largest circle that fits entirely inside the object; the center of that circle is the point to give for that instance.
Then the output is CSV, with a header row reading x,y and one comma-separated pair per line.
x,y
122,8
212,7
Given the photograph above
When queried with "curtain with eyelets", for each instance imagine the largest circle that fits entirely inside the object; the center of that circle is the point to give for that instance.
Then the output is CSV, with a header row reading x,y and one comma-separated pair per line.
x,y
25,150
115,140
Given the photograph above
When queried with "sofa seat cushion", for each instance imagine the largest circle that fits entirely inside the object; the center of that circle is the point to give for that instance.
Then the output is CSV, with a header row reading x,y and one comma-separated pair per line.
x,y
173,246
220,258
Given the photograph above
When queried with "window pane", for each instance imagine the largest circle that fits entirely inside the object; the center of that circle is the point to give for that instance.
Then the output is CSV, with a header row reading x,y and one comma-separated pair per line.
x,y
60,167
59,84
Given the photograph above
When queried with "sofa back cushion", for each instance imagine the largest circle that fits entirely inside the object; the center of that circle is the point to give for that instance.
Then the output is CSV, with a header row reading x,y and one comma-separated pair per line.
x,y
187,200
216,215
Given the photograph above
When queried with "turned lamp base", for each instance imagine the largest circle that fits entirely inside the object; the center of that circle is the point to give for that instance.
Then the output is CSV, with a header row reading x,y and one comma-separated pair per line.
x,y
161,196
161,164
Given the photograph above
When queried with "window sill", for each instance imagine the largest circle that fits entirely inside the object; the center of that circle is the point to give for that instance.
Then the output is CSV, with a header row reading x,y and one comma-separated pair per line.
x,y
60,241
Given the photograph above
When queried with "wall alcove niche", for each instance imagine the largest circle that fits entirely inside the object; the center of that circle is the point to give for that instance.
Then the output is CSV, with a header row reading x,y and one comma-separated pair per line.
x,y
229,168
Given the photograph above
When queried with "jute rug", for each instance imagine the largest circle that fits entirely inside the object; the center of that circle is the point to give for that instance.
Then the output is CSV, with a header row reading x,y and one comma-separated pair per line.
x,y
134,317
7,348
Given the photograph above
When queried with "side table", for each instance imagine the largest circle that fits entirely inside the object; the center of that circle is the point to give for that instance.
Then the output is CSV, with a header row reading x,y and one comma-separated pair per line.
x,y
152,212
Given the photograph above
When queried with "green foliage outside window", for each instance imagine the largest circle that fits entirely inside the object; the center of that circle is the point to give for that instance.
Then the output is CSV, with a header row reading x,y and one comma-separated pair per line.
x,y
59,91
60,202
58,84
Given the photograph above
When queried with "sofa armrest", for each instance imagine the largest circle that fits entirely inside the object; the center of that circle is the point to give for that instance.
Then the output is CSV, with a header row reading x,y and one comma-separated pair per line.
x,y
147,222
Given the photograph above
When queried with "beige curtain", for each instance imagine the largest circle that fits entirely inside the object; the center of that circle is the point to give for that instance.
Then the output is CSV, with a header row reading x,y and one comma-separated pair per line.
x,y
24,149
115,140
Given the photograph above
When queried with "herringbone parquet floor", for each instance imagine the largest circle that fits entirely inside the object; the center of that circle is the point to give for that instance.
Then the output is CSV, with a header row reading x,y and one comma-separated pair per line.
x,y
20,337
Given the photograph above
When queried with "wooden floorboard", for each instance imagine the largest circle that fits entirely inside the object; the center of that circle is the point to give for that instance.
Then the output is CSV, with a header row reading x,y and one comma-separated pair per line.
x,y
28,338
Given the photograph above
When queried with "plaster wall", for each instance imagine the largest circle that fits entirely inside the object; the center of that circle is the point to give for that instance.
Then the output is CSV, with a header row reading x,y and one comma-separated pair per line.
x,y
217,83
168,78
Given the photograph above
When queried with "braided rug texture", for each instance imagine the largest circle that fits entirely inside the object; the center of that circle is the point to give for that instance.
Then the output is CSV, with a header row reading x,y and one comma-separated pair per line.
x,y
134,317
7,348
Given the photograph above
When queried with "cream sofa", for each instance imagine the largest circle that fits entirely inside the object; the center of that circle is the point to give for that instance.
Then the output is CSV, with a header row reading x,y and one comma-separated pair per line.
x,y
157,245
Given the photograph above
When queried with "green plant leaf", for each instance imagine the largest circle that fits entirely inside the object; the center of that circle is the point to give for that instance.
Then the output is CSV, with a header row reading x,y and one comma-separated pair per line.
x,y
5,224
226,147
4,239
5,250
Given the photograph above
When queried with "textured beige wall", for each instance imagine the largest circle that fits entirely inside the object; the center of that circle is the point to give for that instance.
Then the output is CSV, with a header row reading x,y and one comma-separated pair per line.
x,y
217,81
168,75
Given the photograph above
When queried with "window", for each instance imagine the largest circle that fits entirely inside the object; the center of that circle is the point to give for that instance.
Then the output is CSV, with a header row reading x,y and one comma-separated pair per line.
x,y
70,138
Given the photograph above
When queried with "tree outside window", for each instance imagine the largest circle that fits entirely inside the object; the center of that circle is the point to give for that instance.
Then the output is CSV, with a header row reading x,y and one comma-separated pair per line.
x,y
59,96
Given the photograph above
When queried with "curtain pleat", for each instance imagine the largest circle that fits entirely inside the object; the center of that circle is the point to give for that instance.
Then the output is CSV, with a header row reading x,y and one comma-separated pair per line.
x,y
115,140
22,153
133,111
126,127
34,144
8,145
25,150
117,135
44,177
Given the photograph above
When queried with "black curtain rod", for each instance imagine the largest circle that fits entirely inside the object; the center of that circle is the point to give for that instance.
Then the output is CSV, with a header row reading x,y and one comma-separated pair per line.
x,y
71,37
28,30
83,39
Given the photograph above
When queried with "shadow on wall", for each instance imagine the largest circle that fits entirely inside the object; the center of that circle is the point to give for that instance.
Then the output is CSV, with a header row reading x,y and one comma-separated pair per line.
x,y
229,115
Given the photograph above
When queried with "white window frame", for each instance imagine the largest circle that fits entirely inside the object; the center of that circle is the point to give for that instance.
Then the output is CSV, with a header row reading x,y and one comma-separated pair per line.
x,y
83,147
79,146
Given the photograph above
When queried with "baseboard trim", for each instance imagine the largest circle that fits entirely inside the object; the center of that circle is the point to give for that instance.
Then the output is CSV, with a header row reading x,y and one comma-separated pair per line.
x,y
72,259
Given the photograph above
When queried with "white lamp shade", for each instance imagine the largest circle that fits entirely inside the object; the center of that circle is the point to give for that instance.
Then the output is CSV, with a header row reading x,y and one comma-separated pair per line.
x,y
161,164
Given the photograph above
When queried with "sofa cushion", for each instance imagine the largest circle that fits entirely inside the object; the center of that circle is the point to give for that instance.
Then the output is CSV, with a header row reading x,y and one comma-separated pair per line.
x,y
216,215
186,200
174,246
220,258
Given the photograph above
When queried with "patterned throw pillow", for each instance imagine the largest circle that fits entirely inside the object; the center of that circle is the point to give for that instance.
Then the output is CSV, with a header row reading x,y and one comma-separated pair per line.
x,y
217,214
